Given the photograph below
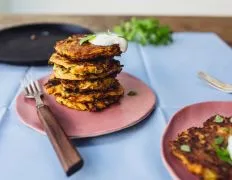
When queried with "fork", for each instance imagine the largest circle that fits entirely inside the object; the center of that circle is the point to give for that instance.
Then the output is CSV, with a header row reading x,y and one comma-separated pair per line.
x,y
215,82
66,152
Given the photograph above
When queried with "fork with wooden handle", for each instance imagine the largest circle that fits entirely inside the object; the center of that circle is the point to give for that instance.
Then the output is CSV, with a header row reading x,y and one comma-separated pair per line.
x,y
67,153
215,82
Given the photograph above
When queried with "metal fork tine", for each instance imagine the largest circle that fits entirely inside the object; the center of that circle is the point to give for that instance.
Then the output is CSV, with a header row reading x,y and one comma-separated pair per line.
x,y
38,86
26,91
29,88
24,86
33,87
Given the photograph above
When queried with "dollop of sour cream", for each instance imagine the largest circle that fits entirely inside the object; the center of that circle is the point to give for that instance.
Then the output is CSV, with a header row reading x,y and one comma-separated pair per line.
x,y
108,39
229,147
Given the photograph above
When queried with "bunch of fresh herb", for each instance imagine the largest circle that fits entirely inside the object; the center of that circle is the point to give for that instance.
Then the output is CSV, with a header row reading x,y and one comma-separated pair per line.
x,y
145,31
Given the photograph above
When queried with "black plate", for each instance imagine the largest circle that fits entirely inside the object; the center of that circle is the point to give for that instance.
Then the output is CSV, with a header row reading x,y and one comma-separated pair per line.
x,y
33,44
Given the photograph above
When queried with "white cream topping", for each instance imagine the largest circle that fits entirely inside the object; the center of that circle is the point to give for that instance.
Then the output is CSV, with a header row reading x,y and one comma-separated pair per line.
x,y
108,39
229,147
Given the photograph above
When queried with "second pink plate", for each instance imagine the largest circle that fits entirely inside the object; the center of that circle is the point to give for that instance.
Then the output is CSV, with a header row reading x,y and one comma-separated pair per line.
x,y
187,117
131,110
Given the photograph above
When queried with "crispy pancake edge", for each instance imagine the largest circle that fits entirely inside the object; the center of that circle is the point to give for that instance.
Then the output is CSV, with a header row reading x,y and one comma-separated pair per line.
x,y
85,67
71,49
62,73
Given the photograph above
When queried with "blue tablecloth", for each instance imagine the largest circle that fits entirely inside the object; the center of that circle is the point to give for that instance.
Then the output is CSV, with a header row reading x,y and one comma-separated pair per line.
x,y
132,154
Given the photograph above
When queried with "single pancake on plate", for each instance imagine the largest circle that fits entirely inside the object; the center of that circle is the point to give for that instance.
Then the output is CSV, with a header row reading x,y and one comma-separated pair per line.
x,y
72,49
90,85
57,90
97,105
85,85
84,67
61,72
203,149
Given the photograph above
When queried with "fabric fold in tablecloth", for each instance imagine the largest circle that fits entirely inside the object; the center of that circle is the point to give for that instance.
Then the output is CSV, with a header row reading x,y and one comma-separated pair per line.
x,y
132,154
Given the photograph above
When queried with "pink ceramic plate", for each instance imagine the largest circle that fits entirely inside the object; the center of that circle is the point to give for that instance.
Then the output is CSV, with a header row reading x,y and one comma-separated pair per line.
x,y
79,124
193,115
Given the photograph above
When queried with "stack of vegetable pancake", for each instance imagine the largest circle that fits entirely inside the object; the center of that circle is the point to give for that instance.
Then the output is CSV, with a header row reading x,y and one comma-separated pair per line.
x,y
84,76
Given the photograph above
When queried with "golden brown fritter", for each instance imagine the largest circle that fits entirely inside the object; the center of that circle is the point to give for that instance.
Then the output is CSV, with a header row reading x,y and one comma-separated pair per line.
x,y
93,101
88,106
85,67
59,91
72,49
101,85
84,86
62,73
94,85
202,159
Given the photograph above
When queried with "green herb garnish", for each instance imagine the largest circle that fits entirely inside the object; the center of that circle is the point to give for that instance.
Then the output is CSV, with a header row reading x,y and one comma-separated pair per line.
x,y
145,31
223,154
87,38
132,93
218,119
185,148
218,140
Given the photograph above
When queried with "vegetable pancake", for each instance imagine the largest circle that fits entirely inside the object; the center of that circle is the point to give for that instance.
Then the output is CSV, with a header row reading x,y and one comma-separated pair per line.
x,y
97,105
84,86
62,73
58,90
72,49
203,150
87,67
84,71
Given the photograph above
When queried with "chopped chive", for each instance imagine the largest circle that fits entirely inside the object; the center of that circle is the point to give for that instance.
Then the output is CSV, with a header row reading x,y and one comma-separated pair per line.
x,y
185,148
218,119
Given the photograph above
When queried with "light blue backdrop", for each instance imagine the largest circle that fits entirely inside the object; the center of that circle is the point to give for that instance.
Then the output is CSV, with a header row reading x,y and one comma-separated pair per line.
x,y
132,154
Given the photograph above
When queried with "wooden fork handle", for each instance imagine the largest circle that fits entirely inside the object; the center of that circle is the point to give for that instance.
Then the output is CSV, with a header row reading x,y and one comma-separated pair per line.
x,y
67,153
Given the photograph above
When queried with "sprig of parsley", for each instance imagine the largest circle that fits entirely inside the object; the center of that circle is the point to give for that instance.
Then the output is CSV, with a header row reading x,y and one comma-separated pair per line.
x,y
145,31
223,154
